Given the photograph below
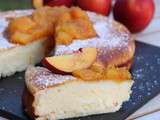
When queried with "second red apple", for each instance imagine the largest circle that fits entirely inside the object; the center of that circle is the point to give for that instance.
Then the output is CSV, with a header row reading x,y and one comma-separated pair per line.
x,y
134,14
53,3
99,6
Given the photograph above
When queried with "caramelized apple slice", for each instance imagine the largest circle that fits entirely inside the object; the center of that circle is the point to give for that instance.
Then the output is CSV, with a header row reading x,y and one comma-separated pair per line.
x,y
21,38
110,73
88,75
81,59
21,24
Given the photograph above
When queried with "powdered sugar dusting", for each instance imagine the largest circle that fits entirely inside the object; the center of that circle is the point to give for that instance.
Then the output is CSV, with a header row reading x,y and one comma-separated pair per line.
x,y
107,37
43,78
3,41
16,13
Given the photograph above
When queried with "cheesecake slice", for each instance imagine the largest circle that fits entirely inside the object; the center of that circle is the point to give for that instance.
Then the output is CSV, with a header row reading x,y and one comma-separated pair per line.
x,y
16,57
50,96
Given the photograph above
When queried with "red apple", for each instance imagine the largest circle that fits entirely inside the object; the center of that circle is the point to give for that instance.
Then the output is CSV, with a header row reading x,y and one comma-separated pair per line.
x,y
53,3
99,6
134,14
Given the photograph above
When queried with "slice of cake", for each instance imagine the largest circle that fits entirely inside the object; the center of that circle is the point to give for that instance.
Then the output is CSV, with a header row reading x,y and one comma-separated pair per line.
x,y
50,96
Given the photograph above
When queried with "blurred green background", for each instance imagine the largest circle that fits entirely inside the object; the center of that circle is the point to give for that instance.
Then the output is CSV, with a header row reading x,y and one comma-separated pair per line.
x,y
14,4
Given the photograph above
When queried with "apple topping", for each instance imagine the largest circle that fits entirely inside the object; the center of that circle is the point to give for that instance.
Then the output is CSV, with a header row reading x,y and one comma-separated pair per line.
x,y
73,25
21,24
62,23
81,59
18,28
109,73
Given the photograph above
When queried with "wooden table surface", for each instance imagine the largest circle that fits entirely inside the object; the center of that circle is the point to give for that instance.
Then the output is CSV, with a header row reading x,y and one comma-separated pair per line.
x,y
151,35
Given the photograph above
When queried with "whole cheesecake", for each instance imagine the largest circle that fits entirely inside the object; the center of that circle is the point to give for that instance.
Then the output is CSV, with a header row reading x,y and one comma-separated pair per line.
x,y
114,43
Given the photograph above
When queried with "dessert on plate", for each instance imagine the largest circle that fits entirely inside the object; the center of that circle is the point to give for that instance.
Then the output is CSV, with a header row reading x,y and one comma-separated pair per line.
x,y
87,72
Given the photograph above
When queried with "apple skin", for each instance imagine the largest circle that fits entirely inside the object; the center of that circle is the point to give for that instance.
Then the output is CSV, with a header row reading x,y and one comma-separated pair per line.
x,y
66,64
46,64
134,14
99,6
53,3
